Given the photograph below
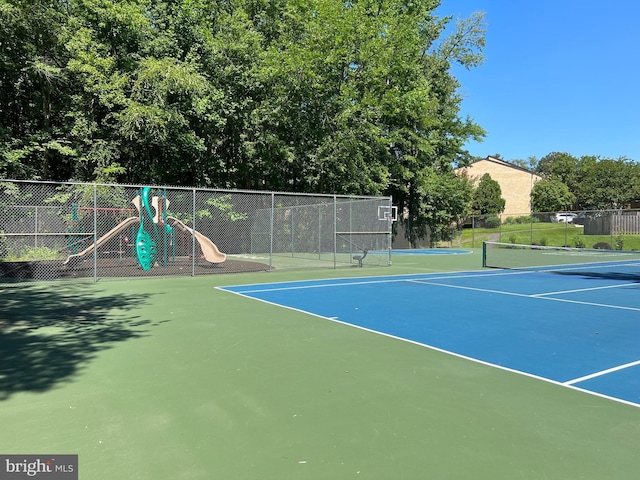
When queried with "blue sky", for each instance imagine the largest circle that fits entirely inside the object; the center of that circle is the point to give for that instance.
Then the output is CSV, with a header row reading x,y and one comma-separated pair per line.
x,y
559,76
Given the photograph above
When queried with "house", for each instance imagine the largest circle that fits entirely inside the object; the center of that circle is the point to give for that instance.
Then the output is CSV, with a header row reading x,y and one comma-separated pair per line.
x,y
515,182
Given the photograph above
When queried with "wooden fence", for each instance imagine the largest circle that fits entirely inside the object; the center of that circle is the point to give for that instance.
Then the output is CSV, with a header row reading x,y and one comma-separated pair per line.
x,y
623,222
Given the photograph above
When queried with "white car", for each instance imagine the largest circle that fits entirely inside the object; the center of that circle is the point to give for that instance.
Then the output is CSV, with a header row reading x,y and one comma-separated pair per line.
x,y
563,217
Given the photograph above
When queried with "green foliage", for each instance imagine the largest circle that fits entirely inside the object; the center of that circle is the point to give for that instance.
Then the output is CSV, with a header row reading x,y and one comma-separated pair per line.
x,y
492,221
579,242
521,220
26,254
465,45
441,200
559,166
590,183
602,246
607,183
83,194
618,241
224,207
309,96
551,195
487,197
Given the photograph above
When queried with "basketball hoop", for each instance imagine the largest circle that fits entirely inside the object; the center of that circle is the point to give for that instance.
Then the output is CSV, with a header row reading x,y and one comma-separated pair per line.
x,y
390,214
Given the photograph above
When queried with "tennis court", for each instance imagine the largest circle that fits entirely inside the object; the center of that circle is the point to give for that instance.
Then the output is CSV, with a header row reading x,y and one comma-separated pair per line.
x,y
575,325
180,378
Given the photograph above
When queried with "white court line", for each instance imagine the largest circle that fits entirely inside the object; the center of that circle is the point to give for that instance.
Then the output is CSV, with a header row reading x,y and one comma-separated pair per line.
x,y
363,281
450,275
603,372
538,295
560,292
475,289
441,350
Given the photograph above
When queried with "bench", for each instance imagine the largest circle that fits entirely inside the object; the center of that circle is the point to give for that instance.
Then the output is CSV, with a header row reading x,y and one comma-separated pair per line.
x,y
359,258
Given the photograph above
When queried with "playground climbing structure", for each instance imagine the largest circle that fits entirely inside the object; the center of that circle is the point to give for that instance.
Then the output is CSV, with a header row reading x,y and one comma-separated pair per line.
x,y
155,237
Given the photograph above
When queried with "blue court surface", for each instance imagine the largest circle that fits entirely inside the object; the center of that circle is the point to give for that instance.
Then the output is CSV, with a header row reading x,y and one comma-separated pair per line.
x,y
579,332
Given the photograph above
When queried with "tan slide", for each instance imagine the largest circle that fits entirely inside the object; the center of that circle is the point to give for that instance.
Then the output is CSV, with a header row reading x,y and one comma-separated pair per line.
x,y
209,249
107,236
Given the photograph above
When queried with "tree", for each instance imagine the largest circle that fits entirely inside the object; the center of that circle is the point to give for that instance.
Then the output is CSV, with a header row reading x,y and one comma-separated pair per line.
x,y
318,96
32,113
487,197
594,183
607,183
531,163
561,166
447,200
551,195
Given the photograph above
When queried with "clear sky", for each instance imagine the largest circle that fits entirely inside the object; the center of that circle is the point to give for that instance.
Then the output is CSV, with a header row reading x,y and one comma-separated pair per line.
x,y
559,76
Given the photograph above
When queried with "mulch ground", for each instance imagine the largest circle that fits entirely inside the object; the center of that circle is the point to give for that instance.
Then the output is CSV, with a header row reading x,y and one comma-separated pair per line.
x,y
122,267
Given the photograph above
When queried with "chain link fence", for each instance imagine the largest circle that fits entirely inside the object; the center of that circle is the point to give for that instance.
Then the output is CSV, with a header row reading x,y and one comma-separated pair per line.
x,y
75,230
617,229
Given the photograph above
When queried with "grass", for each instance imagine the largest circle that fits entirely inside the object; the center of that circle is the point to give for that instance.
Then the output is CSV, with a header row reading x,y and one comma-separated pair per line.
x,y
552,234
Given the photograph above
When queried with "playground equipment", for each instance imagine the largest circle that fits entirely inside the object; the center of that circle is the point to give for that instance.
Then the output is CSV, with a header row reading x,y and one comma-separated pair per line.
x,y
77,237
155,236
104,239
209,249
147,242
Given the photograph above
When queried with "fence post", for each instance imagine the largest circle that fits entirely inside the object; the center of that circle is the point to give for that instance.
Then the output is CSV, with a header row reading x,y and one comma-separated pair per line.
x,y
291,226
271,232
95,233
320,232
390,245
335,231
193,234
473,231
35,229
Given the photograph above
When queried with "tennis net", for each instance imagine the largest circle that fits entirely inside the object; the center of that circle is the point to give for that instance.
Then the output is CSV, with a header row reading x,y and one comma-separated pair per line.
x,y
571,261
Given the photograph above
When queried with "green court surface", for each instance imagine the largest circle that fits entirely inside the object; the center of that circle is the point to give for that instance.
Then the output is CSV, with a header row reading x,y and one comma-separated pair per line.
x,y
170,378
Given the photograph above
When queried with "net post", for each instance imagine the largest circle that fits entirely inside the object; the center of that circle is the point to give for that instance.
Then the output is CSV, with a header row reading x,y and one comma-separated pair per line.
x,y
484,254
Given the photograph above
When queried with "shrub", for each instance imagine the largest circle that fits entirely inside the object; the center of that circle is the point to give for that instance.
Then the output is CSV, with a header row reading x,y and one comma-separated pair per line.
x,y
579,242
526,219
521,220
492,221
27,254
618,242
513,238
543,241
602,246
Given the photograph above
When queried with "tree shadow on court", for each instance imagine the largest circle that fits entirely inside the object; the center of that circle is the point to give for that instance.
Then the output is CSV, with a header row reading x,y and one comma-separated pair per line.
x,y
48,335
620,276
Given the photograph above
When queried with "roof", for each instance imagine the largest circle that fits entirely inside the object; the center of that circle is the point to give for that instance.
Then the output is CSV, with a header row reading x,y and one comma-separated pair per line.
x,y
504,164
